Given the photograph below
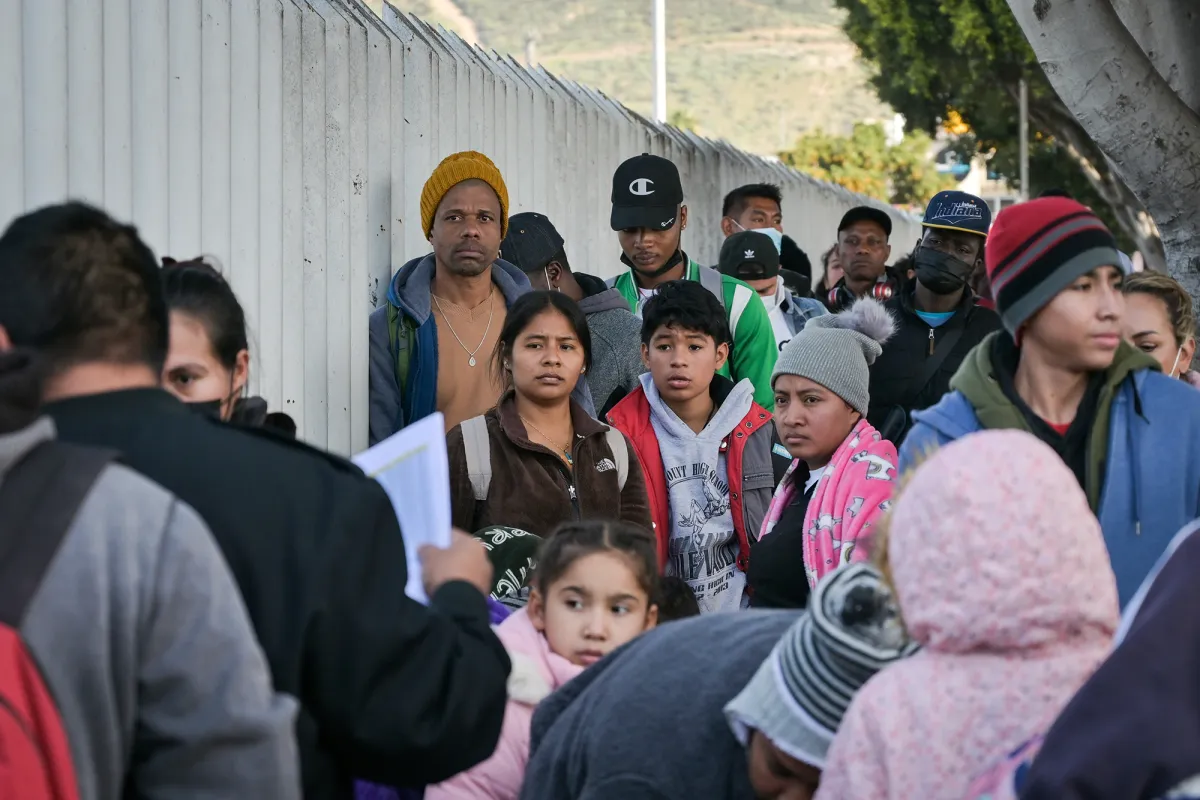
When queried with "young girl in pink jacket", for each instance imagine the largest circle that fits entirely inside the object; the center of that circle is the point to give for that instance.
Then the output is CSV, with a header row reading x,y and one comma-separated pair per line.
x,y
593,591
1003,578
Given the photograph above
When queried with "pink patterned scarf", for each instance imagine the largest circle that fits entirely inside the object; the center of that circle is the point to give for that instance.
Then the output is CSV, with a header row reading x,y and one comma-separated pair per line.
x,y
852,494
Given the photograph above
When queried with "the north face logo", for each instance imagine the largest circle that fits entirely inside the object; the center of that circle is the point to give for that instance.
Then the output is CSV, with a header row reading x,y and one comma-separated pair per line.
x,y
604,465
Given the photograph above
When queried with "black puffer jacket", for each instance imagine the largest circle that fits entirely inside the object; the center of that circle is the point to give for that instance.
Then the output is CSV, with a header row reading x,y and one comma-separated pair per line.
x,y
895,372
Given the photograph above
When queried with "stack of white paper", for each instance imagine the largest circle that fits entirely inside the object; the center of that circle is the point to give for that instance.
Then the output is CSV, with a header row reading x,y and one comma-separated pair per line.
x,y
414,470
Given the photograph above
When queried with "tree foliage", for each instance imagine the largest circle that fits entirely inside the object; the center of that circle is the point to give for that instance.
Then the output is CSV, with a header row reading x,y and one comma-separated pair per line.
x,y
682,118
864,162
937,59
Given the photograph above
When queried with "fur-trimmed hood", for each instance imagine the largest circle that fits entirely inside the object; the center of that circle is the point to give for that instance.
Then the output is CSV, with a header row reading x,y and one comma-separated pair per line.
x,y
536,670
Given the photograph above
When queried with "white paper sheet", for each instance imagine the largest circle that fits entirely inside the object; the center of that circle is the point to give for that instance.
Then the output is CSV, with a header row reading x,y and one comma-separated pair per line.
x,y
414,470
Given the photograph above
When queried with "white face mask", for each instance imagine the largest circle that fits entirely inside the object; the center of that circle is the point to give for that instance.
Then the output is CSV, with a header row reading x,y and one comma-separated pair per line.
x,y
772,301
774,235
1178,353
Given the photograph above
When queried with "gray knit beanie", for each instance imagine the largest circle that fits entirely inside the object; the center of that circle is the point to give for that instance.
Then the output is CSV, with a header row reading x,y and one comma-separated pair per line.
x,y
837,350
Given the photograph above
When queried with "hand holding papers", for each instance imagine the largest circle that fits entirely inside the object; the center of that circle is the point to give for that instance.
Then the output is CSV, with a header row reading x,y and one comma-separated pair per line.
x,y
414,470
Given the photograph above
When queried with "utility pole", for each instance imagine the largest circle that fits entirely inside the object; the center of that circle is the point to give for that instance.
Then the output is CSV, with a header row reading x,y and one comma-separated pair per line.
x,y
531,49
660,60
1024,140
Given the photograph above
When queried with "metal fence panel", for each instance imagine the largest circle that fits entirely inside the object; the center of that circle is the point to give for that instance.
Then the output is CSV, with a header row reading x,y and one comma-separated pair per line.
x,y
290,140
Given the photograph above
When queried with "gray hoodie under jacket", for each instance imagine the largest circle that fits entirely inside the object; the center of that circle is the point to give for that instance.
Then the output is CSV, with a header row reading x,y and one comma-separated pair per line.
x,y
616,343
143,641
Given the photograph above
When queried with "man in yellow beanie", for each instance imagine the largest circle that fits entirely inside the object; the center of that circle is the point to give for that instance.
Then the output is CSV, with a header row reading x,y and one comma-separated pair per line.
x,y
431,344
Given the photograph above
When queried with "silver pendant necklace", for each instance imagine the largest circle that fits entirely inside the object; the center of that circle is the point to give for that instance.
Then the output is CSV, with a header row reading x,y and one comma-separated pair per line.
x,y
470,353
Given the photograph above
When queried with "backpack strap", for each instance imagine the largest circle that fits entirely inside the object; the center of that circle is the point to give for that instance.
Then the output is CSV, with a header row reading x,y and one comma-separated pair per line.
x,y
620,452
39,499
400,338
479,455
711,279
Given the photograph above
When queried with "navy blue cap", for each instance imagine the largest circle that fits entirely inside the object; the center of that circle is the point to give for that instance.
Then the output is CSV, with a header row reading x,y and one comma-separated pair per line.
x,y
958,211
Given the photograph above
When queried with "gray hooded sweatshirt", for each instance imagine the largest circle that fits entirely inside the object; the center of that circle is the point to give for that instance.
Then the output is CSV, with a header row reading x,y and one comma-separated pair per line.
x,y
143,641
616,343
704,545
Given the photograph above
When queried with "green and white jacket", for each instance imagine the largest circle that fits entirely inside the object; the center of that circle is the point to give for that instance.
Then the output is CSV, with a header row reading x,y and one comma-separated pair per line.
x,y
754,351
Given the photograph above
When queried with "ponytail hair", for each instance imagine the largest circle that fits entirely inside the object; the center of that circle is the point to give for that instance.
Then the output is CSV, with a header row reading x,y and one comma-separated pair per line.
x,y
197,289
572,541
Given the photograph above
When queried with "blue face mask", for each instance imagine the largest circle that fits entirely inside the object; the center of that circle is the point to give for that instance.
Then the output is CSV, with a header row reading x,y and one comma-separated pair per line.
x,y
774,235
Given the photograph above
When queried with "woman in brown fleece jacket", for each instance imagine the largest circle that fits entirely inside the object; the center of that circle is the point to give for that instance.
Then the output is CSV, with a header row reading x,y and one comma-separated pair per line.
x,y
551,462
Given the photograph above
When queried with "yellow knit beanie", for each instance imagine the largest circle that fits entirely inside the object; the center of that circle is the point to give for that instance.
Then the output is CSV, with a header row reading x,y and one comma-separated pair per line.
x,y
453,170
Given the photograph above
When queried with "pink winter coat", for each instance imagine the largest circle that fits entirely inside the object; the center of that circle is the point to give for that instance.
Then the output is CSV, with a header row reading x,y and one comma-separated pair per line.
x,y
1003,578
849,499
536,673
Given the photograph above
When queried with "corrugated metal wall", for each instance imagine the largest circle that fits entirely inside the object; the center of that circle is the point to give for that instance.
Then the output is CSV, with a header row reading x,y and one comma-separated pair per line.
x,y
290,139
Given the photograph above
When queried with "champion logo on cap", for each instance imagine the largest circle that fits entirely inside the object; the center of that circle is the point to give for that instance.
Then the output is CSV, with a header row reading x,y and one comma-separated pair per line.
x,y
748,254
641,187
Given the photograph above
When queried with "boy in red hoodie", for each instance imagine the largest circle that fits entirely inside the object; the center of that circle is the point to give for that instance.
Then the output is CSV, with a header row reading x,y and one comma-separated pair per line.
x,y
703,443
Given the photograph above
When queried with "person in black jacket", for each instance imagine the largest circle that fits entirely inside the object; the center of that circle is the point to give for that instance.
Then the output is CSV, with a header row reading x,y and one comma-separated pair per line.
x,y
390,691
937,318
863,252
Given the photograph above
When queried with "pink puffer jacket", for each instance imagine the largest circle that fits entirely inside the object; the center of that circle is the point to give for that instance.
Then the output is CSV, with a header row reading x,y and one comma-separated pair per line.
x,y
536,673
1003,578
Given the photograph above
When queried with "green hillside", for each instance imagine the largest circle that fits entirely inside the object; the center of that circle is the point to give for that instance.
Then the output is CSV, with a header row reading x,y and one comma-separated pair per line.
x,y
756,72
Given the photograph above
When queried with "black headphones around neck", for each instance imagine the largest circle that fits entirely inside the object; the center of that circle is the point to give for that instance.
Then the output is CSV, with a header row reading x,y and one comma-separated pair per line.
x,y
840,297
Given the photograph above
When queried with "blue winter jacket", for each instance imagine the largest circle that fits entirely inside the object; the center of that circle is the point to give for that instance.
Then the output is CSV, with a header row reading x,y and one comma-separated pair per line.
x,y
409,297
1151,483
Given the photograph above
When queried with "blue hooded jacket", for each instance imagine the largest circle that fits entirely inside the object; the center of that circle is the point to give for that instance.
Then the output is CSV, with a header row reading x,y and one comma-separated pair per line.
x,y
409,297
1150,465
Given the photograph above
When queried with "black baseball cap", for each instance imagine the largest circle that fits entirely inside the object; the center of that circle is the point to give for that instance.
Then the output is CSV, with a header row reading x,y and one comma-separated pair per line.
x,y
867,214
531,242
749,256
958,211
646,193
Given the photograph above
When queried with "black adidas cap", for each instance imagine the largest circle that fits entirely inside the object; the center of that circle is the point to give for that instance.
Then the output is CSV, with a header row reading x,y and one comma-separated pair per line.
x,y
646,193
749,256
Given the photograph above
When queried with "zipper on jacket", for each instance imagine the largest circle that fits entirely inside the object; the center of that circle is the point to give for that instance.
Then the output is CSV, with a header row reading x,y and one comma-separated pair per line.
x,y
574,501
570,473
932,343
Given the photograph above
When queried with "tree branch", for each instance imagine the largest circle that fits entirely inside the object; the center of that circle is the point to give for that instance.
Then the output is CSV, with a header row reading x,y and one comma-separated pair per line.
x,y
1128,109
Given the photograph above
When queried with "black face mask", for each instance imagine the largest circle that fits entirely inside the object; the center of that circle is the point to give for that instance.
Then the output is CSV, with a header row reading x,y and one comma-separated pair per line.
x,y
671,264
939,272
208,408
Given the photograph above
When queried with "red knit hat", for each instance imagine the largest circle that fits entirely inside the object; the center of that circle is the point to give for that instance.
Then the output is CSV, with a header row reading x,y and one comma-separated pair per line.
x,y
1040,247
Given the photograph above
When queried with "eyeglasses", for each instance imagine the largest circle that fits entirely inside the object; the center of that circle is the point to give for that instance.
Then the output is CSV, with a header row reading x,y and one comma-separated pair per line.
x,y
871,242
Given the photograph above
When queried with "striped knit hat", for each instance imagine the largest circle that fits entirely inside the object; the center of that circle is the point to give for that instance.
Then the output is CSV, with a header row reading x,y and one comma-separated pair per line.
x,y
800,693
1038,248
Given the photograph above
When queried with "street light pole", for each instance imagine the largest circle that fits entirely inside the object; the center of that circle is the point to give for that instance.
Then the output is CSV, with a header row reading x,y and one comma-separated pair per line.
x,y
660,60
